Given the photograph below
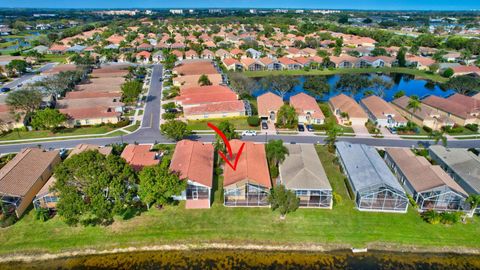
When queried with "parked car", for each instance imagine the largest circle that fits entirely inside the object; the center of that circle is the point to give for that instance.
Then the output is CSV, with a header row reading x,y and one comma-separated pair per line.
x,y
249,133
19,85
264,125
310,128
301,128
173,110
4,89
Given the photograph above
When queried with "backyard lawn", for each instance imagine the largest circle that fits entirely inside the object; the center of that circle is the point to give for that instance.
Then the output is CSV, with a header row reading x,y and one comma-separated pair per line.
x,y
420,74
342,226
240,123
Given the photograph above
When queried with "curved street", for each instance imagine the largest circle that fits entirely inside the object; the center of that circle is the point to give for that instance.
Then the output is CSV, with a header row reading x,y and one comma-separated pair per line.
x,y
149,131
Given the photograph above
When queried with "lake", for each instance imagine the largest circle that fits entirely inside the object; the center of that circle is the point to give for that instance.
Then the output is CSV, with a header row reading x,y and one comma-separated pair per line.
x,y
243,259
407,83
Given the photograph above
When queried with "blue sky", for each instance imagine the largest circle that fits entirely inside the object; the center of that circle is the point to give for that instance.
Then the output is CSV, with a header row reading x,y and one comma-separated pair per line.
x,y
331,4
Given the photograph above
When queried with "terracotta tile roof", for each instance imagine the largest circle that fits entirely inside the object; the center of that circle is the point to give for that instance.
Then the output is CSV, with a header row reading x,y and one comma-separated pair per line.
x,y
268,102
59,48
343,58
144,54
380,109
446,105
217,108
252,165
194,161
347,104
60,68
189,81
190,53
196,68
90,94
19,175
71,103
89,113
471,104
246,62
115,39
230,61
139,156
466,69
286,61
106,150
206,94
420,173
424,61
304,103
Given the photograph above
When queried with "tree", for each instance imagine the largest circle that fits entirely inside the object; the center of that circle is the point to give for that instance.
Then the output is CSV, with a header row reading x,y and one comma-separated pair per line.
x,y
464,84
24,100
17,67
130,91
93,188
276,152
447,73
175,130
316,85
414,105
402,62
204,80
438,136
474,201
284,200
241,83
47,119
287,117
352,83
158,184
280,84
399,94
380,85
228,129
333,131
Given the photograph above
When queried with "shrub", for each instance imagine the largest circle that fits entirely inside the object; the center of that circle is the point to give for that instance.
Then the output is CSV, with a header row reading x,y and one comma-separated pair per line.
x,y
169,116
448,73
170,105
42,214
453,130
427,129
337,199
119,124
450,217
431,217
472,127
412,201
253,121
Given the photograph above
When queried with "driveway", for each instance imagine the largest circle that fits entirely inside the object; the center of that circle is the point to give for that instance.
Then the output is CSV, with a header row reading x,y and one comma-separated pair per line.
x,y
361,131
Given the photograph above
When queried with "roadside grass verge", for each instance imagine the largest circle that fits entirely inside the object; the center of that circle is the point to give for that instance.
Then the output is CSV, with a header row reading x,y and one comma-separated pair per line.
x,y
240,123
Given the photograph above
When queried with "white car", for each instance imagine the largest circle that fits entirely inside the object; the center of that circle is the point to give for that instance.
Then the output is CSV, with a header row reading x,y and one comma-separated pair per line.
x,y
249,133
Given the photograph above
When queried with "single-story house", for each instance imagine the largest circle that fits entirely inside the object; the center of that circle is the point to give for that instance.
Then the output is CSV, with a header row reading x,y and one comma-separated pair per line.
x,y
268,106
456,112
347,110
303,173
249,184
307,109
140,155
23,176
370,181
382,113
193,161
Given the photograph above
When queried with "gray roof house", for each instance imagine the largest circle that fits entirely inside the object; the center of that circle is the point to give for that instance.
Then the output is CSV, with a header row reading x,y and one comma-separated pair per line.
x,y
371,182
76,48
462,165
303,173
254,53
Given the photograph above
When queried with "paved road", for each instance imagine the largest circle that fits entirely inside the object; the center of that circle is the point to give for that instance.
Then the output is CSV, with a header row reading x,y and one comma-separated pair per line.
x,y
150,133
28,76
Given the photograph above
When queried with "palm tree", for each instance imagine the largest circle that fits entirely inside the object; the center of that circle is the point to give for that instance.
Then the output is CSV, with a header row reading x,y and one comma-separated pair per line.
x,y
276,152
439,136
333,132
414,105
474,201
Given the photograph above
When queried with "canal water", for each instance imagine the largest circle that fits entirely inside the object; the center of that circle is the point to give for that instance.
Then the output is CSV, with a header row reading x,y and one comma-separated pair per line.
x,y
405,82
230,259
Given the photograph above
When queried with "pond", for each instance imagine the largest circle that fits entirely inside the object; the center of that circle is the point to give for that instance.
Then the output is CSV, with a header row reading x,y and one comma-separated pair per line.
x,y
243,259
408,83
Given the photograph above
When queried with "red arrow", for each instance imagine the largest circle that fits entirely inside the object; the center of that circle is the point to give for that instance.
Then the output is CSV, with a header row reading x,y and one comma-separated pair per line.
x,y
229,148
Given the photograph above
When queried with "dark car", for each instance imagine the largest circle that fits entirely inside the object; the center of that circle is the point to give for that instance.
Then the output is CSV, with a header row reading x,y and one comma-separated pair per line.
x,y
310,128
4,89
171,110
264,125
301,128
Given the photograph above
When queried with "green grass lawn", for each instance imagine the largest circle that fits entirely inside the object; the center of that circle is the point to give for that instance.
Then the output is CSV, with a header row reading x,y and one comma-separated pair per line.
x,y
23,135
174,224
60,58
420,74
134,127
240,123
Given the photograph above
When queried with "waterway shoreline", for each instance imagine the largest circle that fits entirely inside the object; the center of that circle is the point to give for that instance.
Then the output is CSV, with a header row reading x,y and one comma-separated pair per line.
x,y
372,248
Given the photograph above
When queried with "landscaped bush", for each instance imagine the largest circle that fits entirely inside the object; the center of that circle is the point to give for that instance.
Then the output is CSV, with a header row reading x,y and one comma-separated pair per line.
x,y
453,130
169,106
169,116
412,201
427,129
434,217
337,199
119,124
472,127
253,121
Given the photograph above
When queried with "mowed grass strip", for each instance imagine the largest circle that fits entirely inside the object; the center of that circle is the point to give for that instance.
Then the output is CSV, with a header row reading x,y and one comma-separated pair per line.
x,y
344,225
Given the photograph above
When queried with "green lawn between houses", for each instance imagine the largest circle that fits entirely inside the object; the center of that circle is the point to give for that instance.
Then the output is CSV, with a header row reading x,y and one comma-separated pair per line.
x,y
35,134
240,123
420,74
341,226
